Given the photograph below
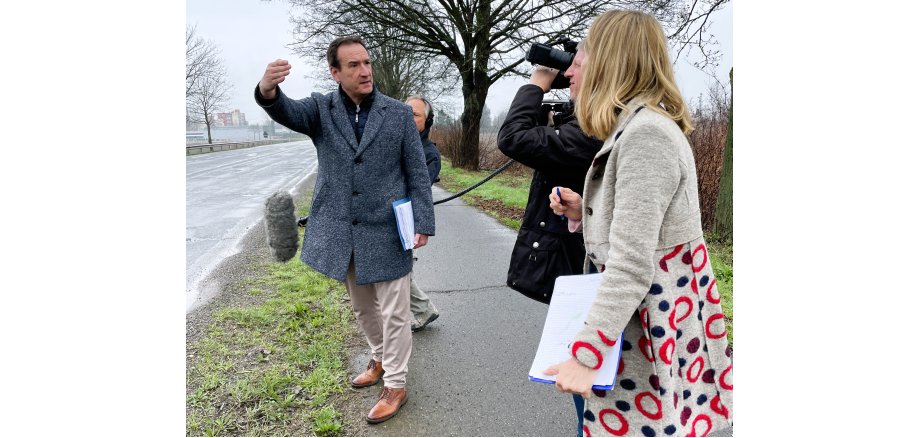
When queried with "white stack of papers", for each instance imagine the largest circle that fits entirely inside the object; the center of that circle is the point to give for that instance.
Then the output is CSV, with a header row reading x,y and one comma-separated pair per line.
x,y
405,222
568,310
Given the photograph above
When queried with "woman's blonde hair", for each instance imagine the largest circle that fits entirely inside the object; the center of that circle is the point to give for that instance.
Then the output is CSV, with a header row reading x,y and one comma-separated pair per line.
x,y
627,57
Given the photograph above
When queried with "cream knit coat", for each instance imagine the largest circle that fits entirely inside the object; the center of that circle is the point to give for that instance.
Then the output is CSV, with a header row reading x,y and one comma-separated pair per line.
x,y
641,222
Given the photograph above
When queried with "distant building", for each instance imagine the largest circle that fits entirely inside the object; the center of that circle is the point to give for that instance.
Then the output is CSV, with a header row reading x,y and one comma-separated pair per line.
x,y
222,119
238,118
233,118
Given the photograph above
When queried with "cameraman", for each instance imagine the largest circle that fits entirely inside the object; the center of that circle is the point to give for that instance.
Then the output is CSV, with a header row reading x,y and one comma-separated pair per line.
x,y
560,156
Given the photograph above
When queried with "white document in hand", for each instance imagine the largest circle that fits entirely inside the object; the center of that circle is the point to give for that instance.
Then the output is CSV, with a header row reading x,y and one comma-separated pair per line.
x,y
405,222
568,310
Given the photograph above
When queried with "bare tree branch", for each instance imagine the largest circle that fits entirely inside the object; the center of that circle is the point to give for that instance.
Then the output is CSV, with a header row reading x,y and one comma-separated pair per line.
x,y
207,90
201,58
481,40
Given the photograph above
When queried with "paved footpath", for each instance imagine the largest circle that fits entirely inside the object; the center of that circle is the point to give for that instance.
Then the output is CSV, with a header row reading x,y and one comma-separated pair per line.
x,y
468,370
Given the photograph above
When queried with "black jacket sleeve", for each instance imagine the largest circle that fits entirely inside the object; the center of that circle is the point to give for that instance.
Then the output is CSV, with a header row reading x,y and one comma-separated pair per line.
x,y
541,147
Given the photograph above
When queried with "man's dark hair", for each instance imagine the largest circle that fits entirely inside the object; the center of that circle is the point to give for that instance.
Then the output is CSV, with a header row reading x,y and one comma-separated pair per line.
x,y
332,54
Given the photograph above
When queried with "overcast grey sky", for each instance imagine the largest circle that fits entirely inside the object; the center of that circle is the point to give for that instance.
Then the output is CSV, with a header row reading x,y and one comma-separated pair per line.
x,y
252,33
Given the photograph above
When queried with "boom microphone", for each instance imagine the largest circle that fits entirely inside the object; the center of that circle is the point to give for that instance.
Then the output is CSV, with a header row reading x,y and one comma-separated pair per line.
x,y
281,226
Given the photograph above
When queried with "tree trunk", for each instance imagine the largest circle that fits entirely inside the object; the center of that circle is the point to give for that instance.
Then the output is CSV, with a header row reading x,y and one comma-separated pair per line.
x,y
724,213
468,150
474,100
207,124
475,75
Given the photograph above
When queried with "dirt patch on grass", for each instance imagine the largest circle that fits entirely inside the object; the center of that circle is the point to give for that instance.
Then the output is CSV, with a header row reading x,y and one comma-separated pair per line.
x,y
498,208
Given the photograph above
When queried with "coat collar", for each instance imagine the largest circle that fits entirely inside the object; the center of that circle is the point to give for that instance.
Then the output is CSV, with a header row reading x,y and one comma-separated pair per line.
x,y
340,120
632,107
374,119
350,105
424,136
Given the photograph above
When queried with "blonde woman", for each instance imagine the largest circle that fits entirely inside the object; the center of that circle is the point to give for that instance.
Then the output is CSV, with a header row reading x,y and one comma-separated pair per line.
x,y
641,222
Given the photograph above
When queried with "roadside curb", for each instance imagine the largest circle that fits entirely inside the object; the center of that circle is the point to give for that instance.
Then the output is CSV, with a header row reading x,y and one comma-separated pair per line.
x,y
218,147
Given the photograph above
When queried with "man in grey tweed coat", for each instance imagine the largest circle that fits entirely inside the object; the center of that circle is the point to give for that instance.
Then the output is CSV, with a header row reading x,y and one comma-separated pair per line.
x,y
369,156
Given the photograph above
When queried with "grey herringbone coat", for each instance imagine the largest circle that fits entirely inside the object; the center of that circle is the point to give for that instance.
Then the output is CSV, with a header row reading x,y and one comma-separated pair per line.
x,y
352,212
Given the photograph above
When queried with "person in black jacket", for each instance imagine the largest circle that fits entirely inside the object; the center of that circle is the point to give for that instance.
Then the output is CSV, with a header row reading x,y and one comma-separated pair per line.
x,y
423,310
559,156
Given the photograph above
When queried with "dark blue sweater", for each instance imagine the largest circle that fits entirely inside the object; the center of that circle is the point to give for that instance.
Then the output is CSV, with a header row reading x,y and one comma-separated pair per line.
x,y
357,115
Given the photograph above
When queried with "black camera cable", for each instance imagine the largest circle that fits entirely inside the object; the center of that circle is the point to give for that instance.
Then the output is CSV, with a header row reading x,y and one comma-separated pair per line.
x,y
465,191
302,222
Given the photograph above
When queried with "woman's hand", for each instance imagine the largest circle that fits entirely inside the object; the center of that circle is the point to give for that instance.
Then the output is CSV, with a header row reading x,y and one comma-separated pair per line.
x,y
569,205
573,377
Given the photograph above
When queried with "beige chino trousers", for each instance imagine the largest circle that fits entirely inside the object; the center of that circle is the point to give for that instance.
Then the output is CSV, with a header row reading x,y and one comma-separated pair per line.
x,y
382,310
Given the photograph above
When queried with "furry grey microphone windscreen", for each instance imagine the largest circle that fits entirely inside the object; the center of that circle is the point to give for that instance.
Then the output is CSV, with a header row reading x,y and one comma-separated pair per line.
x,y
281,226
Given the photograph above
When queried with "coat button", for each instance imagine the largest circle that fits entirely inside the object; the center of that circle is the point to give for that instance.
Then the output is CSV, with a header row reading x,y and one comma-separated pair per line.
x,y
596,176
588,210
358,160
536,244
354,222
542,224
355,193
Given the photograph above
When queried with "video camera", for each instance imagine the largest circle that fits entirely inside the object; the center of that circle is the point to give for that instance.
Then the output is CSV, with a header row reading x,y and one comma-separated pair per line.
x,y
563,112
545,55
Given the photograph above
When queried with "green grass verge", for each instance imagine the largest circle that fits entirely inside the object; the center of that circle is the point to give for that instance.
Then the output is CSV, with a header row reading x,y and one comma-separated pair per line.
x,y
721,254
271,369
505,196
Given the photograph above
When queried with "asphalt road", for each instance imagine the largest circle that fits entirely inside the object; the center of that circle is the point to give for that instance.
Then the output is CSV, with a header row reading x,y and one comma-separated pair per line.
x,y
225,195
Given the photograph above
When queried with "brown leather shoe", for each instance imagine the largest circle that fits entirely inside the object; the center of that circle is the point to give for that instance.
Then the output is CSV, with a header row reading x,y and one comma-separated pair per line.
x,y
370,376
391,399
